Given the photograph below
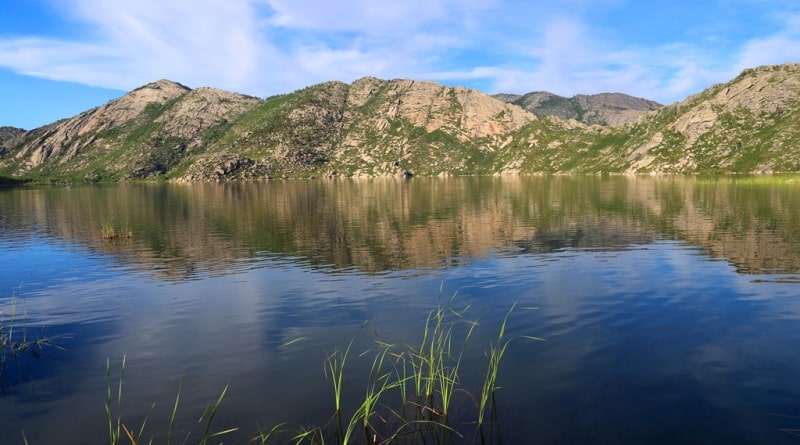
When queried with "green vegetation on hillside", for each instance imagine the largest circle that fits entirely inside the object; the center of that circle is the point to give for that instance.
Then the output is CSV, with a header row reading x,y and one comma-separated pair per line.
x,y
401,127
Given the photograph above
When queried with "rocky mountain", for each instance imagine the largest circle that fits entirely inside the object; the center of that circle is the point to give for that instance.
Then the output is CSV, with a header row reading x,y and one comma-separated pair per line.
x,y
598,109
371,127
7,134
750,124
143,134
376,127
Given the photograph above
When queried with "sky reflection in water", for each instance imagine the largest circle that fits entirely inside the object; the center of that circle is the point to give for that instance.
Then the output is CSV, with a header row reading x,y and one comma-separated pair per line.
x,y
650,337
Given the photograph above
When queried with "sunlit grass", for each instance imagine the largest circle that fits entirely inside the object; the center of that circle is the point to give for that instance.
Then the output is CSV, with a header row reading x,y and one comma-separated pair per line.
x,y
112,233
421,380
407,396
15,339
116,425
772,179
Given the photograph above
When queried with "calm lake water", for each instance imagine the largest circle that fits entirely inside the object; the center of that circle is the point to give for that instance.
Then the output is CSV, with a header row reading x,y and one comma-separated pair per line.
x,y
670,306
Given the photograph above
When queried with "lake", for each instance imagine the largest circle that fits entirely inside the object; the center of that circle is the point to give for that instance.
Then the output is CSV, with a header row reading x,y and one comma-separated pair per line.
x,y
668,308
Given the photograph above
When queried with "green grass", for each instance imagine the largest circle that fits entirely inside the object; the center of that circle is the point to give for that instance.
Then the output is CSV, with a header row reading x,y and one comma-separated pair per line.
x,y
116,426
411,389
750,179
110,232
407,397
15,339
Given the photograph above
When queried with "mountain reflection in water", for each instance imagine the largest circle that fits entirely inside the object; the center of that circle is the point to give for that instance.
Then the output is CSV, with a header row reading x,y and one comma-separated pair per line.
x,y
380,225
669,305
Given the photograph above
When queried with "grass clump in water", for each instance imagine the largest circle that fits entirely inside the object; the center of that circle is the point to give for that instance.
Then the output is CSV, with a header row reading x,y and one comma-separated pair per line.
x,y
111,233
411,389
409,395
15,340
116,427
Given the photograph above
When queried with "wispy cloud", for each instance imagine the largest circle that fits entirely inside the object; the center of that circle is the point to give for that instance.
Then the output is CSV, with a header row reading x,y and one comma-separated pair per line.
x,y
128,43
263,47
783,45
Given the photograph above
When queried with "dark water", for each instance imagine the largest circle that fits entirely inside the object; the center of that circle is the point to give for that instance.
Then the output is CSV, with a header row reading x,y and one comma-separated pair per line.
x,y
670,307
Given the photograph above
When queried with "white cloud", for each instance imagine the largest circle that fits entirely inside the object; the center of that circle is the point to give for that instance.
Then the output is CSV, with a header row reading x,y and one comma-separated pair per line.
x,y
263,47
771,50
136,42
368,16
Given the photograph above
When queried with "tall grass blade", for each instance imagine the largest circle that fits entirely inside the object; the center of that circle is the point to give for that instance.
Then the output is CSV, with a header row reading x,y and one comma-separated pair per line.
x,y
273,432
114,419
174,411
211,412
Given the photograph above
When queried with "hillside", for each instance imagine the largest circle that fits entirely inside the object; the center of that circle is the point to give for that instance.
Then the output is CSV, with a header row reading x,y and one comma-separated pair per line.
x,y
598,109
369,128
750,124
376,127
7,134
140,135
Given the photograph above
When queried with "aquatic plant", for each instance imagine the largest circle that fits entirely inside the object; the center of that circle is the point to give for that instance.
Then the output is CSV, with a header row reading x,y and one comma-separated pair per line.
x,y
15,340
424,379
113,410
112,233
407,398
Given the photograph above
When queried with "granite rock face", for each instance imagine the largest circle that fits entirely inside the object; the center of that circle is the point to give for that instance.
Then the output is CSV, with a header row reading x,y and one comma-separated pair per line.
x,y
607,109
403,127
141,134
750,124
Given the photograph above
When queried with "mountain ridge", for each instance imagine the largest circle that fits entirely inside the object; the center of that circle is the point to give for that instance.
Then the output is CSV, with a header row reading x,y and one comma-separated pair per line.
x,y
607,109
373,127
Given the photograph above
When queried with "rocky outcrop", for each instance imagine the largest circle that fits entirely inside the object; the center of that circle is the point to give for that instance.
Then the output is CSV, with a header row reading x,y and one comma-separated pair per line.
x,y
224,166
143,133
201,109
746,125
371,127
403,127
8,137
606,109
63,140
7,133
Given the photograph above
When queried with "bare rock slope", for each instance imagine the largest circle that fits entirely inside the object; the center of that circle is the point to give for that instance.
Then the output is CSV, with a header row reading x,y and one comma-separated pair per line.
x,y
401,127
598,109
143,133
750,124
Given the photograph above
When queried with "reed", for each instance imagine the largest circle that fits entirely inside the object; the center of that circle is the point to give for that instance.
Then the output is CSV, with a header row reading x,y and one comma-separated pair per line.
x,y
15,340
497,350
423,377
112,233
407,397
434,362
116,426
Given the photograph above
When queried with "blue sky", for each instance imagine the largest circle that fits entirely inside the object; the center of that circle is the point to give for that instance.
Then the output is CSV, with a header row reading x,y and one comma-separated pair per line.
x,y
61,57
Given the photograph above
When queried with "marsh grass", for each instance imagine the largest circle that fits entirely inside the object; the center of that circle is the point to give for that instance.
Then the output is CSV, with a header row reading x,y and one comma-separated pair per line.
x,y
788,179
110,232
15,340
411,390
408,395
116,426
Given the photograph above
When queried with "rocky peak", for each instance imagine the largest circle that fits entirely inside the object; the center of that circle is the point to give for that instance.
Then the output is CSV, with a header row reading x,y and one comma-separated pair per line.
x,y
467,113
607,109
724,127
362,89
201,108
764,90
65,138
9,133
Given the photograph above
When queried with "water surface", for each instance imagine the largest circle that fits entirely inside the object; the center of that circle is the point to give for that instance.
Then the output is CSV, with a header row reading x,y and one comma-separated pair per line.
x,y
669,306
